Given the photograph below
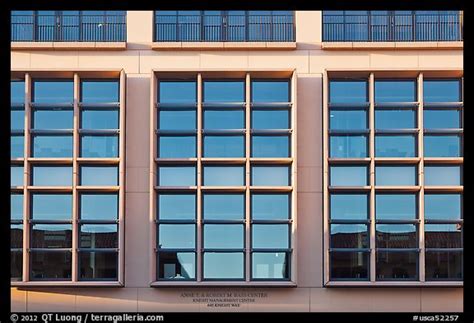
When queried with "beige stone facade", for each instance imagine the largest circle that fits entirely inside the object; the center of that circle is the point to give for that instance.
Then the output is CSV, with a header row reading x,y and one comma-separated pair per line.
x,y
310,59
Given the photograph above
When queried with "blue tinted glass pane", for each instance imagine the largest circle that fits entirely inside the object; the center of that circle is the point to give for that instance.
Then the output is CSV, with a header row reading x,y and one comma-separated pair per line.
x,y
443,235
223,206
177,206
442,206
224,146
442,91
177,92
100,91
53,119
52,175
270,175
270,119
444,265
99,206
98,236
442,175
396,236
17,148
347,119
349,206
17,119
270,265
270,236
348,91
99,175
270,146
51,236
177,146
99,146
220,91
99,119
442,146
348,175
16,175
224,119
395,119
395,146
349,265
16,236
270,206
223,236
395,175
52,146
177,120
54,265
176,236
177,176
223,265
395,91
395,206
53,91
16,207
51,206
223,175
441,119
17,92
348,146
270,91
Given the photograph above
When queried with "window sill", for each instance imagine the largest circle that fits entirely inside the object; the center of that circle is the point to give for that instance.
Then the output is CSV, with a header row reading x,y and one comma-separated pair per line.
x,y
68,45
66,284
394,284
223,45
392,45
223,284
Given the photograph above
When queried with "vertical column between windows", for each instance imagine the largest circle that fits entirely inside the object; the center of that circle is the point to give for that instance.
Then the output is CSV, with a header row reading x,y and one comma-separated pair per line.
x,y
153,179
26,181
294,176
121,206
248,245
421,182
325,89
75,176
372,232
199,241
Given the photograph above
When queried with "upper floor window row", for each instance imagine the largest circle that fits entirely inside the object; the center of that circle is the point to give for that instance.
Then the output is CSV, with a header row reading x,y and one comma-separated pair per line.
x,y
68,26
399,26
224,26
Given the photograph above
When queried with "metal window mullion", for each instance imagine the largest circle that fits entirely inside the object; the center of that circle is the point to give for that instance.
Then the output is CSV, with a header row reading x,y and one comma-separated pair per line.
x,y
26,180
421,194
247,178
325,178
75,181
199,226
372,240
121,208
294,172
152,179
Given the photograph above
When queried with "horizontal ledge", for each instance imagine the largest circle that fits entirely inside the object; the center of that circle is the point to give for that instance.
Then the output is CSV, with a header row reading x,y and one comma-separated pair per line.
x,y
414,188
178,45
88,160
283,160
217,160
99,106
348,160
394,284
223,284
443,160
224,188
173,161
17,160
444,188
67,284
77,45
50,188
272,188
349,188
394,160
98,188
175,188
389,45
443,105
40,160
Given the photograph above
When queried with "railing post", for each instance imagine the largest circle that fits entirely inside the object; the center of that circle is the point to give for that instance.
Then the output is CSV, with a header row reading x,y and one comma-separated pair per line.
x,y
369,26
413,23
201,29
177,27
246,26
79,26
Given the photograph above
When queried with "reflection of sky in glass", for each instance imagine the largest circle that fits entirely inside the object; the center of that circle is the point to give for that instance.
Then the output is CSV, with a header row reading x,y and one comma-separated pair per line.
x,y
442,206
348,146
348,175
223,236
395,175
177,206
53,91
17,92
270,206
223,175
348,91
52,146
442,175
99,146
270,119
395,146
441,119
270,91
270,236
270,146
223,206
52,206
16,206
99,119
442,146
395,206
223,119
177,146
223,265
349,206
270,175
177,120
176,236
16,146
348,119
177,92
219,91
224,146
395,91
394,119
441,91
177,175
99,206
52,175
99,175
16,175
269,265
53,119
100,91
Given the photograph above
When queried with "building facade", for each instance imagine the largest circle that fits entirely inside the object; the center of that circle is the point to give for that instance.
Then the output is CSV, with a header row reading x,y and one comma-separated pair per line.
x,y
237,161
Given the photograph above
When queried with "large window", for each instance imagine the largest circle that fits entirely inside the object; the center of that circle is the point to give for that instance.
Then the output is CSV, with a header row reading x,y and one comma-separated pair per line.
x,y
73,187
223,179
68,26
218,26
393,178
